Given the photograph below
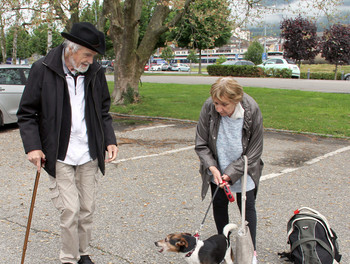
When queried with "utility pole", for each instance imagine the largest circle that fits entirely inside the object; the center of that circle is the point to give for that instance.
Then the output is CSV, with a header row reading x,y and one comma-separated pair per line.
x,y
264,55
265,37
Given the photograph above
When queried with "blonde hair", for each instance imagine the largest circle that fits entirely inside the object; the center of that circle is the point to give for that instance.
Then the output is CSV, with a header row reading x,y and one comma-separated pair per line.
x,y
227,88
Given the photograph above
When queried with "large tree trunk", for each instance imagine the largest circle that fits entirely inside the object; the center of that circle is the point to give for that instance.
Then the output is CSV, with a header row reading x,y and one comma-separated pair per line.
x,y
49,37
73,8
132,56
14,44
3,42
335,71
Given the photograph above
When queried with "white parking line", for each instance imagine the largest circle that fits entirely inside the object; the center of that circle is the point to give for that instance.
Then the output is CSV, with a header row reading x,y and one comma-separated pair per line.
x,y
330,154
154,155
153,127
263,177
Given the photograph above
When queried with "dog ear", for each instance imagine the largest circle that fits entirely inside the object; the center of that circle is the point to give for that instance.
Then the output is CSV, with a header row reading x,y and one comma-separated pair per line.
x,y
182,243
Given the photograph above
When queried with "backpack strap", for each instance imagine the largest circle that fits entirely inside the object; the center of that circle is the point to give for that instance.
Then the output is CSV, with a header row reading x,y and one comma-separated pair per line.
x,y
313,211
304,240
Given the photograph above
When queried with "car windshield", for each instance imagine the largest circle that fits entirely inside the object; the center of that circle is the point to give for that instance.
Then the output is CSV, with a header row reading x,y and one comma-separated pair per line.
x,y
290,61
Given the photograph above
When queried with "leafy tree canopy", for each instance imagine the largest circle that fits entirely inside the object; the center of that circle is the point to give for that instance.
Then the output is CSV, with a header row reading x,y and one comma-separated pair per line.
x,y
205,26
38,40
167,54
300,39
254,53
192,56
335,45
23,38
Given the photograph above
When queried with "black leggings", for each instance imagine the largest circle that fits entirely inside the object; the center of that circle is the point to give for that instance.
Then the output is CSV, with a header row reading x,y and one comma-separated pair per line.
x,y
220,210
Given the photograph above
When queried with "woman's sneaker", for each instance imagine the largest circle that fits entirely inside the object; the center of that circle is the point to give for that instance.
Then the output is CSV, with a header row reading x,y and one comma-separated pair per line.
x,y
255,260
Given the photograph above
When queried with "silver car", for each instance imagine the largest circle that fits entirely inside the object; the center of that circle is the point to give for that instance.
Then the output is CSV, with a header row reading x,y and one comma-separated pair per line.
x,y
238,62
279,63
179,67
12,81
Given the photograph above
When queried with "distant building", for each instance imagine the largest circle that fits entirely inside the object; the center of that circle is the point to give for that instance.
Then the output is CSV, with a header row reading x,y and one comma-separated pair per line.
x,y
235,49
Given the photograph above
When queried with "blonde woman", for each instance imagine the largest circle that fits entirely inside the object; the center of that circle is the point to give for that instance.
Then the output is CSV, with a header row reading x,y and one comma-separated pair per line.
x,y
230,126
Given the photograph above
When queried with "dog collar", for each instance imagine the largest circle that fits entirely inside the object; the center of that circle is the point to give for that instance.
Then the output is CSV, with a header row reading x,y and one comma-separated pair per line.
x,y
189,254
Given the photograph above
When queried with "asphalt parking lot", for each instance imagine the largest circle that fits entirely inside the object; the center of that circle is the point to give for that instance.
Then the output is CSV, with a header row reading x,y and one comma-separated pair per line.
x,y
154,188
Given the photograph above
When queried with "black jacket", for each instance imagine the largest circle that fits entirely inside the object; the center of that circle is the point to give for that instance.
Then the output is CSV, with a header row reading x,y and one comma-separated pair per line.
x,y
252,142
44,114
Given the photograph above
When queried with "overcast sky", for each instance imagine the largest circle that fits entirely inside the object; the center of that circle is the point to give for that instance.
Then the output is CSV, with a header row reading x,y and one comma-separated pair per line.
x,y
300,5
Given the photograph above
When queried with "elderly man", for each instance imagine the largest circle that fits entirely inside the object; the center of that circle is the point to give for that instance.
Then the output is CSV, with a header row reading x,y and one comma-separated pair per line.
x,y
66,129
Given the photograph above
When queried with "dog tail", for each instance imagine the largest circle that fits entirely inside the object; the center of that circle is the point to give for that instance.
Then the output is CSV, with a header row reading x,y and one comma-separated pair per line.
x,y
228,228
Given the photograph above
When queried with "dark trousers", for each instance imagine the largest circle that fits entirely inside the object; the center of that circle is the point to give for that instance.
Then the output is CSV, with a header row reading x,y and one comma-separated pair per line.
x,y
220,210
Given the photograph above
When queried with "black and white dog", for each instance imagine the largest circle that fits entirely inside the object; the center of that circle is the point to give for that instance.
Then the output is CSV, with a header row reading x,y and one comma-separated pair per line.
x,y
216,249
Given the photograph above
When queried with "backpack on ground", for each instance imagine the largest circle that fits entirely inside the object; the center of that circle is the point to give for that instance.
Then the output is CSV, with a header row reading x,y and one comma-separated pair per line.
x,y
311,239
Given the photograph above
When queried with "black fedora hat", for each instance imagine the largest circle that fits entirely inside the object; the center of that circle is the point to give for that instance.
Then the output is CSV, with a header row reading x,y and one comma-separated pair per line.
x,y
85,34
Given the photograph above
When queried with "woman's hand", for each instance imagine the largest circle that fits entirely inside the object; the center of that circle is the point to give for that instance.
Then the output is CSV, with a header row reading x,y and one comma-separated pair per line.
x,y
216,174
227,179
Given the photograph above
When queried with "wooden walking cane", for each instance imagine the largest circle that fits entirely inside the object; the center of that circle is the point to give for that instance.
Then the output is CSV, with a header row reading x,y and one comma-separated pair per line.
x,y
30,215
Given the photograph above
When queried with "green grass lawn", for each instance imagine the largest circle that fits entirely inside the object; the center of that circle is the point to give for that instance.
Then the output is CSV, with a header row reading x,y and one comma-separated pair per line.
x,y
300,111
324,68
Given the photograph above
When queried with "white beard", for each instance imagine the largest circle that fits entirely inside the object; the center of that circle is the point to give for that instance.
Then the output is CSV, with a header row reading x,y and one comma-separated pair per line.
x,y
81,68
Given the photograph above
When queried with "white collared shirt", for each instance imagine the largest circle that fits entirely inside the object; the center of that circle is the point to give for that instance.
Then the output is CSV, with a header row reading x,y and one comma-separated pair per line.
x,y
238,113
78,147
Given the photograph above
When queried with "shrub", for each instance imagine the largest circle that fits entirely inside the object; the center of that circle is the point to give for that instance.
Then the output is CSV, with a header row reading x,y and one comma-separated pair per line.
x,y
235,70
320,75
279,73
129,96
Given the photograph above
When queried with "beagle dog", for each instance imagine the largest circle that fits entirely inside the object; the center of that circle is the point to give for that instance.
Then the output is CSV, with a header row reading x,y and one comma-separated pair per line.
x,y
214,250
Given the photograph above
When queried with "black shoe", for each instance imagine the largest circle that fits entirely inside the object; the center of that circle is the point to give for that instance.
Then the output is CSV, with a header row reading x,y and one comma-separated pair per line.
x,y
85,260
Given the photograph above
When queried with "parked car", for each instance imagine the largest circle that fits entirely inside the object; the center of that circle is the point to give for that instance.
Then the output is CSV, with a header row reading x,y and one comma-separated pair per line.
x,y
12,81
147,67
107,65
179,67
347,77
238,62
157,67
279,63
166,67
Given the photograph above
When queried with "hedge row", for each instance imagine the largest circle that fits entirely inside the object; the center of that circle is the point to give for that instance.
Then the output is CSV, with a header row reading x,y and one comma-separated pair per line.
x,y
254,71
247,71
235,70
320,75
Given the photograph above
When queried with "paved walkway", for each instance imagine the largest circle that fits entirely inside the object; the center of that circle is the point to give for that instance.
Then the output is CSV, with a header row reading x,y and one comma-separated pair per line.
x,y
154,189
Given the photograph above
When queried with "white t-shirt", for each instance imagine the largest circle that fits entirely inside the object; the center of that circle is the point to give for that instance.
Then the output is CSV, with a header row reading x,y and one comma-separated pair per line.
x,y
78,147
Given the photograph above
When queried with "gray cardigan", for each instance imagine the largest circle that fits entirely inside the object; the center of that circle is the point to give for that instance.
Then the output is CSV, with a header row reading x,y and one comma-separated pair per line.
x,y
252,142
